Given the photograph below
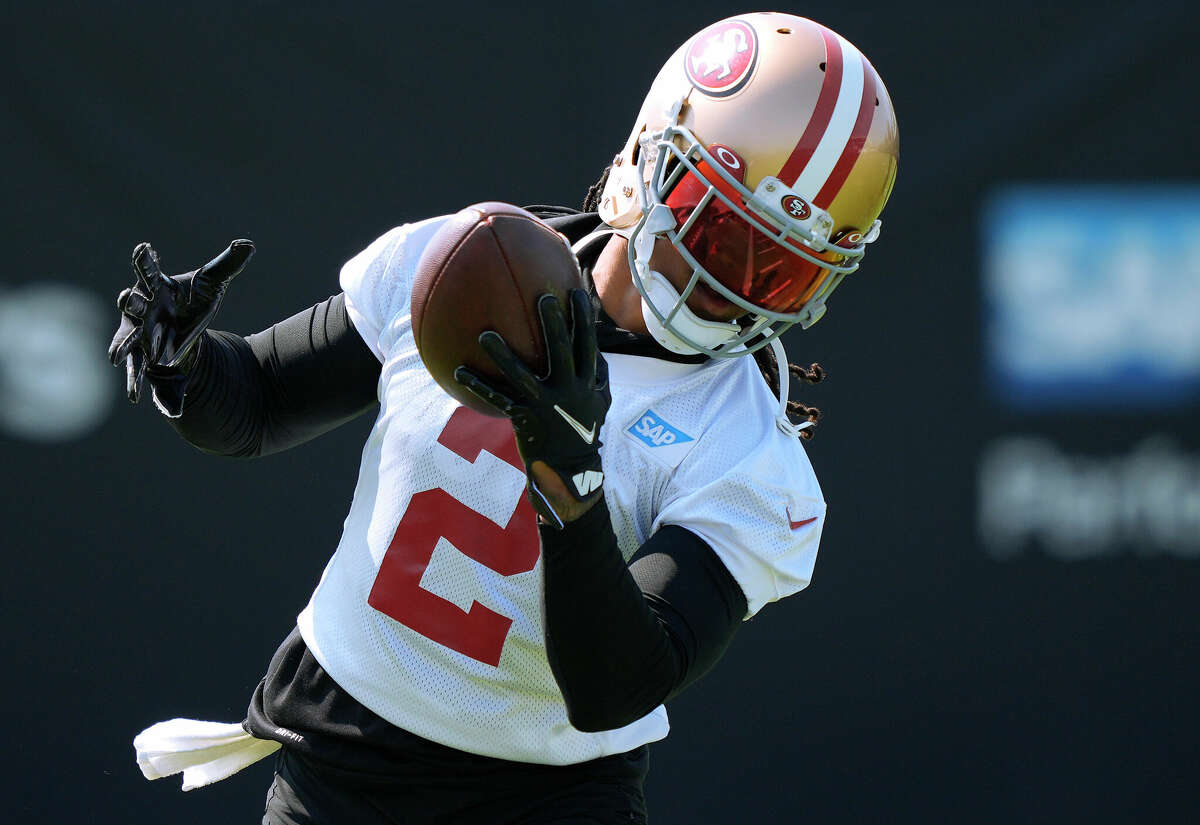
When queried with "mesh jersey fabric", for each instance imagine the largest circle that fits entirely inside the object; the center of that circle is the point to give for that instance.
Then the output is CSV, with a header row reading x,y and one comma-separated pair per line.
x,y
687,444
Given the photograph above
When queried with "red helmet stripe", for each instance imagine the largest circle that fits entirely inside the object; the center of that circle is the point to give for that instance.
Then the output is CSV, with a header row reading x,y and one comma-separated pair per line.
x,y
822,114
854,146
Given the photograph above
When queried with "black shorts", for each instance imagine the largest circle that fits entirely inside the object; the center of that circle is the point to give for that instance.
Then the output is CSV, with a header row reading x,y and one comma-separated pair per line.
x,y
606,791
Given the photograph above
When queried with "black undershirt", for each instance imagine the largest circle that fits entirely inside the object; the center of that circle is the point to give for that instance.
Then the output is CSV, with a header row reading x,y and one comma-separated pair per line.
x,y
621,638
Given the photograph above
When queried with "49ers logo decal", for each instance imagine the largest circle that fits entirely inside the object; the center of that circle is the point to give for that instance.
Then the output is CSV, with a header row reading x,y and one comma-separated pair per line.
x,y
721,59
797,207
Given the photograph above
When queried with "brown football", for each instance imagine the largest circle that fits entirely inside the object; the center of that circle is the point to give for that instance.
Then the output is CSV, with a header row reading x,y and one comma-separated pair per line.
x,y
485,269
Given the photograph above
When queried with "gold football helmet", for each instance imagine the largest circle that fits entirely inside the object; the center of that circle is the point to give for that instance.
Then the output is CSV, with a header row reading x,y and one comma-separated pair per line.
x,y
764,152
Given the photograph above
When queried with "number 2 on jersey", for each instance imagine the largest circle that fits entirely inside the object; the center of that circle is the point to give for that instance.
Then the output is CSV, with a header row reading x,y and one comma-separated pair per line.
x,y
435,514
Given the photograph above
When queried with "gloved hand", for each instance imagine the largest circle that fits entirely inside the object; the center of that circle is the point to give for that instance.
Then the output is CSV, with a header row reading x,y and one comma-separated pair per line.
x,y
556,419
163,317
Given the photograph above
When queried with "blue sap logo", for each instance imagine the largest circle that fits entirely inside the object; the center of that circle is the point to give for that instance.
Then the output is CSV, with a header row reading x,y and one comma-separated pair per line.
x,y
1092,296
654,432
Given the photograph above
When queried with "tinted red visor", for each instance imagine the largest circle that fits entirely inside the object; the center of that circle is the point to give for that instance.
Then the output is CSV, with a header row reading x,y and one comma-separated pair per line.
x,y
745,260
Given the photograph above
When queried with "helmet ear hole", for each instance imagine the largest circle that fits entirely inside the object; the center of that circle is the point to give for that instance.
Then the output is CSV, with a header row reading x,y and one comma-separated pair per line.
x,y
637,146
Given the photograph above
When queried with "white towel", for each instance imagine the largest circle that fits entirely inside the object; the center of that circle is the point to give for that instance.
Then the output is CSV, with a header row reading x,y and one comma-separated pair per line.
x,y
205,752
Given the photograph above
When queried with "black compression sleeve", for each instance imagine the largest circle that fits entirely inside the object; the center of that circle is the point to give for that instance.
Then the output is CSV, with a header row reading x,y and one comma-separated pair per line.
x,y
623,639
280,387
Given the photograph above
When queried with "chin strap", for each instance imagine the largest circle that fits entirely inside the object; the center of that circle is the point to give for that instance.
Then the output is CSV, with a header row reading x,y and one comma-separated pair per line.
x,y
781,417
706,333
658,293
587,241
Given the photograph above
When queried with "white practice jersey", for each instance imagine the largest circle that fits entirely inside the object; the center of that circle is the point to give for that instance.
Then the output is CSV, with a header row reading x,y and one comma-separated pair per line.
x,y
430,611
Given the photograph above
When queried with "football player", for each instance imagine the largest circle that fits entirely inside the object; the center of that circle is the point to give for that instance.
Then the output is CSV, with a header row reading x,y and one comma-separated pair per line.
x,y
495,636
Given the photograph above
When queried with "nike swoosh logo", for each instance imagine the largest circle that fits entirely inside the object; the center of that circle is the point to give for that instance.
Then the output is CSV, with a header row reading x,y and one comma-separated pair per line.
x,y
587,435
797,524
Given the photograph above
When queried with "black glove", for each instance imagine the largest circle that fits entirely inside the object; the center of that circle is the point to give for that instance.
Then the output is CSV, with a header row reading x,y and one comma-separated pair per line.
x,y
162,319
556,419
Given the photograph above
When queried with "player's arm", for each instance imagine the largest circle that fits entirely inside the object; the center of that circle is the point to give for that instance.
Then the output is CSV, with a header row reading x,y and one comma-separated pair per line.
x,y
623,639
281,387
232,395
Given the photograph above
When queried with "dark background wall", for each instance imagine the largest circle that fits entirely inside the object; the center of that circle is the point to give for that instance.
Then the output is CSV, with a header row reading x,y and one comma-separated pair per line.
x,y
923,677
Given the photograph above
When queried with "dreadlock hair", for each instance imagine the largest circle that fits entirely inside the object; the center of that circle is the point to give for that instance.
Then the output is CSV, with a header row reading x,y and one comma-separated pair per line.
x,y
591,202
813,374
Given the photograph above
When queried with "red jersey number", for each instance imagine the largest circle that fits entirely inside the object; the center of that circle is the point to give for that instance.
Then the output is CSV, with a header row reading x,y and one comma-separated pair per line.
x,y
433,514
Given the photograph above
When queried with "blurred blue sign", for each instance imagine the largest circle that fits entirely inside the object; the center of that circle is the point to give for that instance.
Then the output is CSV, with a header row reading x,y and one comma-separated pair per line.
x,y
1092,296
